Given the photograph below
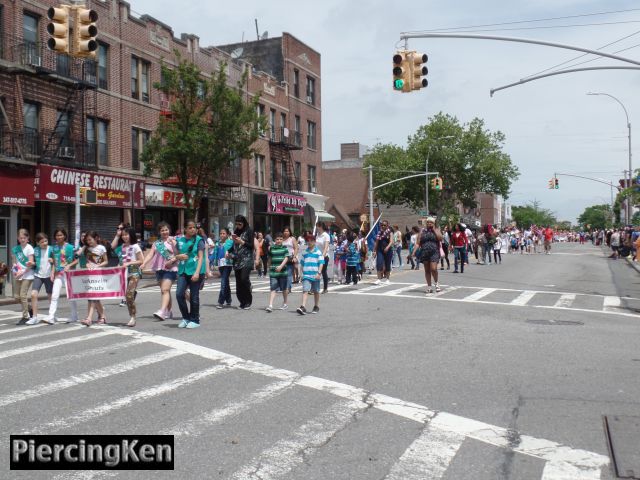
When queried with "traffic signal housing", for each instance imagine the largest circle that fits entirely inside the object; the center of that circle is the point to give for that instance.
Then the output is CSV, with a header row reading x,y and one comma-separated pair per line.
x,y
88,196
556,183
58,29
552,184
439,186
401,72
84,35
418,70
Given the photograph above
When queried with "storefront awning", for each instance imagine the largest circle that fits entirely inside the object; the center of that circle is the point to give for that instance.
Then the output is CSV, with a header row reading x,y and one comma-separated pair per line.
x,y
322,215
17,187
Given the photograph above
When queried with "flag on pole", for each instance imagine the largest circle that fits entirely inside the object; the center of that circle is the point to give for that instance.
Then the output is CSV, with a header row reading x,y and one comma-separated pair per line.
x,y
373,233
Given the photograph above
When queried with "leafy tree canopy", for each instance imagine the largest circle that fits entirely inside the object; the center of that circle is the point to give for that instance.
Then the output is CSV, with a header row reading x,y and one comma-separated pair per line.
x,y
596,216
532,214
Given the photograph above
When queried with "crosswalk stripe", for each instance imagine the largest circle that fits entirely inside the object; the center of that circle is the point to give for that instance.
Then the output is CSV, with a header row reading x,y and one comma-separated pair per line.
x,y
287,454
56,331
22,328
565,300
145,394
56,343
198,425
428,456
478,295
611,304
558,470
372,287
86,377
404,289
523,298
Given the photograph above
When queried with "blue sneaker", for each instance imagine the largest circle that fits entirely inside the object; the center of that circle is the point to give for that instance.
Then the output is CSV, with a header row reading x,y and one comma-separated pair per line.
x,y
183,323
193,325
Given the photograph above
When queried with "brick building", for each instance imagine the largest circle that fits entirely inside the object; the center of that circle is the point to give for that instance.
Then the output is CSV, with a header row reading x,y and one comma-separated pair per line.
x,y
69,121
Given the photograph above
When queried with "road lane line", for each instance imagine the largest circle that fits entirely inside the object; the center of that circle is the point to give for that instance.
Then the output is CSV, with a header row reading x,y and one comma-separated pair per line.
x,y
474,297
289,453
611,304
565,300
197,425
56,331
404,289
555,470
55,343
23,328
61,423
86,377
523,298
428,456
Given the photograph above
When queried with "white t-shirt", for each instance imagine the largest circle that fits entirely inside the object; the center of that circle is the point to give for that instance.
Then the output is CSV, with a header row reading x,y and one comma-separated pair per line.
x,y
45,267
130,253
95,255
321,240
28,272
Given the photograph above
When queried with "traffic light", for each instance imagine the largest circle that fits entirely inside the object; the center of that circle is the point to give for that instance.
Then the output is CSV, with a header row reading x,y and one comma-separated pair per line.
x,y
552,184
434,183
418,70
401,78
58,29
84,41
439,186
88,196
556,184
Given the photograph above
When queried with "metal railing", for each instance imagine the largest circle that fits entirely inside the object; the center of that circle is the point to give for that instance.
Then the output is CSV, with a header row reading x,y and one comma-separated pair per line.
x,y
231,173
286,137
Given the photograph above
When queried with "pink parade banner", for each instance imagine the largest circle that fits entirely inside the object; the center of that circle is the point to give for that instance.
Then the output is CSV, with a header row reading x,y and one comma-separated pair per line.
x,y
100,284
285,204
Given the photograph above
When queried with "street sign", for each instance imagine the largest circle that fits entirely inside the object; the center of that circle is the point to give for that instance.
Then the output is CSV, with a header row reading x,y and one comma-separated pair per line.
x,y
367,205
422,213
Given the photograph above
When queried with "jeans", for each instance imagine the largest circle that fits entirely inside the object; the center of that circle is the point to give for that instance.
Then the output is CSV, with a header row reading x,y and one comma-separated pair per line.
x,y
243,286
290,267
225,289
184,282
399,253
459,255
486,253
325,274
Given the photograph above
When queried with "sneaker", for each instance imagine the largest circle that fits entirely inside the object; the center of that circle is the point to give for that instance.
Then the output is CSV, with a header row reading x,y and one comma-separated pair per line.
x,y
228,305
377,282
169,315
246,307
183,323
193,325
219,306
49,320
438,289
160,315
429,290
316,309
31,321
269,309
123,303
387,282
301,310
325,291
284,307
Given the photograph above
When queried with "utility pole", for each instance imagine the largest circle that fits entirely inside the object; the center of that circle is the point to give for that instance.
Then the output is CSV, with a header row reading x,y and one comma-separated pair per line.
x,y
426,183
370,197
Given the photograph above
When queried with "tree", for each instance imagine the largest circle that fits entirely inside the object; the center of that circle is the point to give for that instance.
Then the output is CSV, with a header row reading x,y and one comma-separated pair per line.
x,y
468,157
596,216
532,214
209,126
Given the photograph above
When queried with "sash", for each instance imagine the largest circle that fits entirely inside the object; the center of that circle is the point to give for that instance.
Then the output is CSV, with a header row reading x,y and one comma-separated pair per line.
x,y
161,248
37,255
20,256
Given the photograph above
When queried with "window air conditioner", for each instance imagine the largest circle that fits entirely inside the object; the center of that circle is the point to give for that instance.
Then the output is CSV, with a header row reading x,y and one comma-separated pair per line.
x,y
66,152
314,190
309,99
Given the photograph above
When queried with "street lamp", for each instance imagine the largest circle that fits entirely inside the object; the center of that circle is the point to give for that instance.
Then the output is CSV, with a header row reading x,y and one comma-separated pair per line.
x,y
628,209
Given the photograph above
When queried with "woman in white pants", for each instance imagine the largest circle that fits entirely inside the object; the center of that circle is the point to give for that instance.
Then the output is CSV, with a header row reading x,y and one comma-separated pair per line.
x,y
62,257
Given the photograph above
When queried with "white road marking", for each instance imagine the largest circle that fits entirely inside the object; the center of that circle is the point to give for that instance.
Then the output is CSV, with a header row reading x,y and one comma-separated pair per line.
x,y
428,456
558,470
55,343
474,297
86,377
111,405
56,331
565,300
611,304
23,328
523,298
289,453
405,288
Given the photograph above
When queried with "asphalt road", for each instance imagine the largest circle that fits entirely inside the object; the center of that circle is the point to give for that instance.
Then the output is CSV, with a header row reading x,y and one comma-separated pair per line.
x,y
505,374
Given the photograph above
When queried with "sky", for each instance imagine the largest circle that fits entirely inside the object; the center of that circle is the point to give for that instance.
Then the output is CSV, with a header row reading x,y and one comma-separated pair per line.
x,y
550,125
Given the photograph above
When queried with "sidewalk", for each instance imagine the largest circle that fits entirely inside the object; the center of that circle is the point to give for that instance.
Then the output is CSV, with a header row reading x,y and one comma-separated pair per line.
x,y
628,259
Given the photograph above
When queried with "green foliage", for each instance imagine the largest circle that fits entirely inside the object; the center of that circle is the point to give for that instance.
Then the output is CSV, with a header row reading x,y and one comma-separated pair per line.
x,y
596,216
532,214
468,157
211,124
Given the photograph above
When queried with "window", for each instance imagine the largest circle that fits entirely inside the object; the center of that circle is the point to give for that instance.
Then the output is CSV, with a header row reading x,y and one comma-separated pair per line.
x,y
30,54
140,79
139,139
296,83
273,175
297,134
272,124
312,179
283,122
97,141
311,90
284,178
31,114
261,110
102,66
259,169
62,128
311,135
298,174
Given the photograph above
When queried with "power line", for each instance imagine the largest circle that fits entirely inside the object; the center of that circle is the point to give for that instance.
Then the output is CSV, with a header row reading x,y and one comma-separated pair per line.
x,y
548,27
600,58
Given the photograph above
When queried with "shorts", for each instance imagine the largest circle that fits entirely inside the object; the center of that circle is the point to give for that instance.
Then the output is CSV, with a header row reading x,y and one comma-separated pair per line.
x,y
38,282
166,275
311,286
383,260
279,284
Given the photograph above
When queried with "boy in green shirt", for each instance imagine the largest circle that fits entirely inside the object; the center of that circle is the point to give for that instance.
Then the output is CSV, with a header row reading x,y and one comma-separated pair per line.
x,y
278,258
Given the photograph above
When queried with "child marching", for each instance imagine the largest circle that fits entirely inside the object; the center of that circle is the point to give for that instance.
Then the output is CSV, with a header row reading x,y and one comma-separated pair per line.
x,y
312,267
22,270
164,264
278,271
131,258
96,255
62,257
191,273
43,275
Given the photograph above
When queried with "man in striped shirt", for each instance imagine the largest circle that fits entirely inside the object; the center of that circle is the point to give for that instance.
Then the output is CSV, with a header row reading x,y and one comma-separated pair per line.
x,y
278,258
312,265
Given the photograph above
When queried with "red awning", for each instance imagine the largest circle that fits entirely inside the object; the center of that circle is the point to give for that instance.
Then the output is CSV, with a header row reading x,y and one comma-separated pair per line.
x,y
16,187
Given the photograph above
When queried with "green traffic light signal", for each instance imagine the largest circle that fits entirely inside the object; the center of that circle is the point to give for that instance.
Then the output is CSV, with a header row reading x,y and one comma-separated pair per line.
x,y
398,84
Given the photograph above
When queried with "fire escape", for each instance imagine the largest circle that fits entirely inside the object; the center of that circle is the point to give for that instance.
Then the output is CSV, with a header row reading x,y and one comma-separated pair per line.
x,y
57,82
281,143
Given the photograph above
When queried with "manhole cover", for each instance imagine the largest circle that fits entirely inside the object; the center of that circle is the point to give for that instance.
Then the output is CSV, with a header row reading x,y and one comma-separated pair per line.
x,y
541,321
623,436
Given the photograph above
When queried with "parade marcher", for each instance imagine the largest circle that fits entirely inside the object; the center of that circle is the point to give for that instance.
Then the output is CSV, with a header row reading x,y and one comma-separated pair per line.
x,y
116,246
62,257
245,258
43,275
548,238
413,241
161,255
22,261
302,244
292,246
446,239
497,247
263,254
322,242
191,273
430,238
353,259
131,258
459,242
383,253
313,264
225,265
397,245
278,271
96,255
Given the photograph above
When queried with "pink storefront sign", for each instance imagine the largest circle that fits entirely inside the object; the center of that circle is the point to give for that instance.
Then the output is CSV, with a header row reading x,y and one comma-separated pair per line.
x,y
285,204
